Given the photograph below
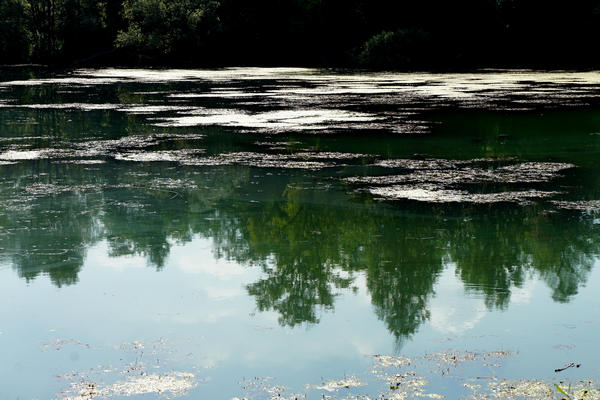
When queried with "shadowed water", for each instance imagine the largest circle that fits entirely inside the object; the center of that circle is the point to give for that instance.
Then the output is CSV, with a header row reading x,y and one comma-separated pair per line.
x,y
270,233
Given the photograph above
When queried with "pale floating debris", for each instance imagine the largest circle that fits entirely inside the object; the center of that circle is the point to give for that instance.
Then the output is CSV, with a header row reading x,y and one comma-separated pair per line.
x,y
564,346
299,120
25,155
131,346
170,183
17,155
291,161
532,389
154,156
437,195
276,144
392,361
345,383
151,109
519,173
175,383
81,162
328,155
240,93
60,343
408,385
583,205
100,147
23,138
534,171
65,106
45,189
421,164
452,357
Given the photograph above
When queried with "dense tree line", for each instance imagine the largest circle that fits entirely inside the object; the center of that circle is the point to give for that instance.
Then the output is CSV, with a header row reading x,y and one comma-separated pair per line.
x,y
405,34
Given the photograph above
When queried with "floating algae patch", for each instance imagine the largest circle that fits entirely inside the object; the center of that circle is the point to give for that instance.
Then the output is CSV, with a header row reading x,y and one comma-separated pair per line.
x,y
274,121
345,383
162,155
392,361
518,173
449,172
171,183
532,171
532,389
421,164
60,343
65,106
447,181
49,189
132,376
18,155
408,385
435,195
583,205
100,147
453,358
304,160
262,388
173,384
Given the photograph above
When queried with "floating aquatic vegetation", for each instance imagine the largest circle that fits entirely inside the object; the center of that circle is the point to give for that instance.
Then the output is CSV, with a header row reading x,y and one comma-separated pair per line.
x,y
435,195
519,173
66,106
292,161
327,155
261,388
93,147
444,181
60,343
82,161
531,171
162,155
408,385
421,164
392,361
130,378
151,109
582,205
273,121
18,155
344,383
532,389
173,384
170,183
45,189
453,358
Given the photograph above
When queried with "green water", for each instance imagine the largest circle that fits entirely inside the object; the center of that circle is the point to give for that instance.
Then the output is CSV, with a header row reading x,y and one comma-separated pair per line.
x,y
259,233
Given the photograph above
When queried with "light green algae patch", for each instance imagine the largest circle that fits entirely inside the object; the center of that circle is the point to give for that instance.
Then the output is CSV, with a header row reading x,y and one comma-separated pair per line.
x,y
169,385
533,390
334,385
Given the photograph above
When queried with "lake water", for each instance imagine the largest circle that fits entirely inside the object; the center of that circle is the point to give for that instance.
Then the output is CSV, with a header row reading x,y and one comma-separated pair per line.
x,y
292,233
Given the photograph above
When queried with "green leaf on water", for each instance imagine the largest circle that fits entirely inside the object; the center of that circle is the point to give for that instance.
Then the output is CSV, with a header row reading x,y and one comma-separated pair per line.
x,y
562,391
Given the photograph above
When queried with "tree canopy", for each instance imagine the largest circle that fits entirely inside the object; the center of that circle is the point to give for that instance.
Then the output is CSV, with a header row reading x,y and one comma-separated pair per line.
x,y
407,34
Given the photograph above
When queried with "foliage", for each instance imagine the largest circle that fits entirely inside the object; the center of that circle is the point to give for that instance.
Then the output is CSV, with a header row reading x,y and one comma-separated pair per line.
x,y
167,27
379,34
14,35
404,48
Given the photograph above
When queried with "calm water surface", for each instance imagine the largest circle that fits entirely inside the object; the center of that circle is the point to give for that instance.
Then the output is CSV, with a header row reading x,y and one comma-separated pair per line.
x,y
291,233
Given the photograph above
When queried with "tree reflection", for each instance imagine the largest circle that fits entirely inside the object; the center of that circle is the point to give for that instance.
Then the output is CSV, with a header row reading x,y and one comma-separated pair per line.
x,y
309,242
